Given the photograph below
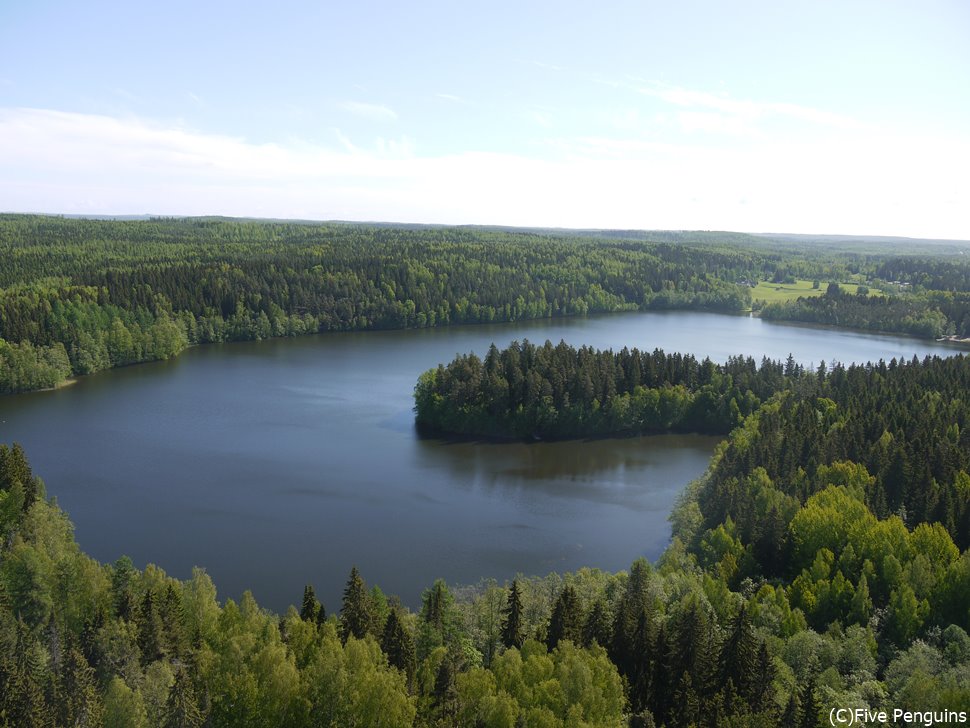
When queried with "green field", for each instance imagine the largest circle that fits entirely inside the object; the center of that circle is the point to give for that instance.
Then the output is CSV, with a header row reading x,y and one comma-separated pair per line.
x,y
778,292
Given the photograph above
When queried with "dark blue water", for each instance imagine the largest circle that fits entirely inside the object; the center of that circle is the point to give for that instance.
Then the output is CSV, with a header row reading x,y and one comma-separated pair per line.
x,y
277,463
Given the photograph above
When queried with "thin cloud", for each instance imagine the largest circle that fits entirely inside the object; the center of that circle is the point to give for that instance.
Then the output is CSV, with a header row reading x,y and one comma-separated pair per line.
x,y
57,161
373,112
451,97
745,108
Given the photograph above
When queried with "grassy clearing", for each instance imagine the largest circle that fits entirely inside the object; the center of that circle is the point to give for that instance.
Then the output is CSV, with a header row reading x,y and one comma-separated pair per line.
x,y
776,292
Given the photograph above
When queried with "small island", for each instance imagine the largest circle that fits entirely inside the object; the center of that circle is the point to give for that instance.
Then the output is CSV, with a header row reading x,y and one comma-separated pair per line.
x,y
558,392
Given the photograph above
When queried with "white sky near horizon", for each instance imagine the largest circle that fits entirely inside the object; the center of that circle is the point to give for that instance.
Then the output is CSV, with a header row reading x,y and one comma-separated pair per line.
x,y
823,117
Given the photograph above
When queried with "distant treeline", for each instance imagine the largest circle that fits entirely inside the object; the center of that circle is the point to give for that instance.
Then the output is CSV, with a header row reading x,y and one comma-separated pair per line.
x,y
527,391
105,293
927,314
99,294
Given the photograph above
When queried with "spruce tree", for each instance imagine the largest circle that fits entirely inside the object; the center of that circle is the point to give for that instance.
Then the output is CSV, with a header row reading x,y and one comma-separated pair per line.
x,y
149,629
354,611
598,627
640,661
737,658
810,706
567,619
172,615
686,710
513,631
661,684
791,713
78,699
311,607
763,687
182,708
398,645
632,606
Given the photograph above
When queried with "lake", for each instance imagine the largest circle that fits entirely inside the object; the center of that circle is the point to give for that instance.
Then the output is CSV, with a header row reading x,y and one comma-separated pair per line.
x,y
278,463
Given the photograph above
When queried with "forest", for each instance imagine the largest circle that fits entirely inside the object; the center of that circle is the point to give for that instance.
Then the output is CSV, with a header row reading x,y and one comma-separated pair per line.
x,y
78,295
931,314
821,561
547,392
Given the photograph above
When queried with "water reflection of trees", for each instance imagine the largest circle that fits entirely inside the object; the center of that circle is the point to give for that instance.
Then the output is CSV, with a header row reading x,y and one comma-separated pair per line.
x,y
610,470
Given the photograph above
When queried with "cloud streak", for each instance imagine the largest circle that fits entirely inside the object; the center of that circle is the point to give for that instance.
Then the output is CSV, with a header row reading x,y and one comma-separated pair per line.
x,y
57,161
372,112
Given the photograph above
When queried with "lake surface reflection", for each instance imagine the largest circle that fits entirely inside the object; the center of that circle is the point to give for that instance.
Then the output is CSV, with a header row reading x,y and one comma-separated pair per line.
x,y
277,463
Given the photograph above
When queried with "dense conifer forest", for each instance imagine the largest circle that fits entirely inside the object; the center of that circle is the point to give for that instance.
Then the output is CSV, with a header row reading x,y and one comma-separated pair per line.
x,y
528,391
78,296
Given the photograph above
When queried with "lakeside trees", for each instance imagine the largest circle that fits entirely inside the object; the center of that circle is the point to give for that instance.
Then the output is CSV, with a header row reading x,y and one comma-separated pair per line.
x,y
821,561
529,391
78,296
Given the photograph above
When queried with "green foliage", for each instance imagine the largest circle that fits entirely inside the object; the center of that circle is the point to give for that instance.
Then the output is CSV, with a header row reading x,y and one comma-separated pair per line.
x,y
528,391
78,296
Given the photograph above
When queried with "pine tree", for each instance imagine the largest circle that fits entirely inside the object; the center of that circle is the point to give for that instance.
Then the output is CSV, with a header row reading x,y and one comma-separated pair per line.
x,y
398,645
686,709
764,681
632,607
791,713
810,706
690,644
640,664
78,699
14,468
354,611
598,627
149,630
566,620
121,577
737,657
661,685
172,615
182,708
311,607
444,696
513,631
435,605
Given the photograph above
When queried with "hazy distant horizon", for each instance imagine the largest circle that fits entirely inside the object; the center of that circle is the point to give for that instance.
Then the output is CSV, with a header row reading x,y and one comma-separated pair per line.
x,y
492,225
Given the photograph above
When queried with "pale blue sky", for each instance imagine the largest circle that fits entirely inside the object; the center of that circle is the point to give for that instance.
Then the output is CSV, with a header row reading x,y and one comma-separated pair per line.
x,y
826,117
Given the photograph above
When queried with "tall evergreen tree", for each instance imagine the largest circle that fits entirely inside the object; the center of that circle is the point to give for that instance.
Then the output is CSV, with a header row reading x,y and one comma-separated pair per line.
x,y
631,609
355,610
810,706
513,630
182,708
310,607
640,661
566,621
762,692
149,629
737,657
597,627
78,698
398,645
174,640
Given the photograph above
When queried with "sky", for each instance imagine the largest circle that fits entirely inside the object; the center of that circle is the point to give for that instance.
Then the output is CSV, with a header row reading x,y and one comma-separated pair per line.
x,y
803,117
